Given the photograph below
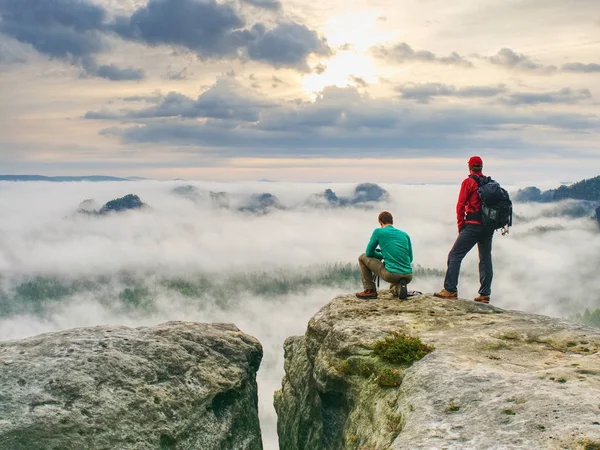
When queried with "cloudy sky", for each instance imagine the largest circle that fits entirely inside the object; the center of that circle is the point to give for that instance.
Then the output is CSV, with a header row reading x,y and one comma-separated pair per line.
x,y
352,90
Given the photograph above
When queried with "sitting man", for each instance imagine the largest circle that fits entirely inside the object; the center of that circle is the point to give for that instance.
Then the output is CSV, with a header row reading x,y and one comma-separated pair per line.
x,y
395,249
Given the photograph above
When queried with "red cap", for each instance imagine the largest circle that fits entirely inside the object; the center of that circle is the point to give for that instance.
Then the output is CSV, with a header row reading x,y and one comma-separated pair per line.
x,y
475,161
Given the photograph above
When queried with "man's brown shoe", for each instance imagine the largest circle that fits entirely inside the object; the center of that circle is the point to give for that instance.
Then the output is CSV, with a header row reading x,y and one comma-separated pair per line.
x,y
367,294
446,294
482,299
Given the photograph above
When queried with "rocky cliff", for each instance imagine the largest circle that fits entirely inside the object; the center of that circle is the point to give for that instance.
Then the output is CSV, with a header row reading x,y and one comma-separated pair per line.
x,y
430,374
173,386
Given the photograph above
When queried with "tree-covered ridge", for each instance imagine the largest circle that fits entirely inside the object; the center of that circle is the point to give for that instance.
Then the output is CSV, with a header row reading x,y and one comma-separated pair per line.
x,y
582,190
93,178
588,189
126,203
39,294
591,318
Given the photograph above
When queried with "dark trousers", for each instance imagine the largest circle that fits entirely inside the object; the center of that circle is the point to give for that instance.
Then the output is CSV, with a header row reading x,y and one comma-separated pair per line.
x,y
470,235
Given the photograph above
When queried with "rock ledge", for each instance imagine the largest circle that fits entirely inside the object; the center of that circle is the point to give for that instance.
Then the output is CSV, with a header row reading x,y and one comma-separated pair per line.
x,y
496,380
173,386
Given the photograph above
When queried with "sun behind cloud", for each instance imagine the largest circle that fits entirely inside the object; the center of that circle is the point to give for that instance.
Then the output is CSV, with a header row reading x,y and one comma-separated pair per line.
x,y
348,67
353,34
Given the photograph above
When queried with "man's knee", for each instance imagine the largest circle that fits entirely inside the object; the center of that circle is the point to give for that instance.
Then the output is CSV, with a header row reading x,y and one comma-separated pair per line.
x,y
362,258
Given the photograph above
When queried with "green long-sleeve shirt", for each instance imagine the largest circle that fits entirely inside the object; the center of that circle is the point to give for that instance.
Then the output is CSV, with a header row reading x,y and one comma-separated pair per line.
x,y
396,249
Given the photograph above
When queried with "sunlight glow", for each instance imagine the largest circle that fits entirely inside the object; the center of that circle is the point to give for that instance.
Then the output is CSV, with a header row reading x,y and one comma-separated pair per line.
x,y
353,34
345,68
360,29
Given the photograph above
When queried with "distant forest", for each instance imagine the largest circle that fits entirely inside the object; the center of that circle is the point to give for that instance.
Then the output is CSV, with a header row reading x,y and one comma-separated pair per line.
x,y
588,190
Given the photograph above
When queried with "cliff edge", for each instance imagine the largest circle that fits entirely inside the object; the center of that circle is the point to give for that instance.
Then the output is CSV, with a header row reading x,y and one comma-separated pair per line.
x,y
429,374
173,386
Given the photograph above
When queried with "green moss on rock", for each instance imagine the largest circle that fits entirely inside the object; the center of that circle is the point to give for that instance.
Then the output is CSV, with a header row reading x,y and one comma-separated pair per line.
x,y
401,349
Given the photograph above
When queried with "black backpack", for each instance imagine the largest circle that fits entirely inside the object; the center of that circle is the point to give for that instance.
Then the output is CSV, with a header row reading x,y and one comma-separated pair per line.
x,y
496,207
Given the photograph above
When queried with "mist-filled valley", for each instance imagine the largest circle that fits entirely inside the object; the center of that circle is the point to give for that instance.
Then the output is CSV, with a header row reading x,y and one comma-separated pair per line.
x,y
264,256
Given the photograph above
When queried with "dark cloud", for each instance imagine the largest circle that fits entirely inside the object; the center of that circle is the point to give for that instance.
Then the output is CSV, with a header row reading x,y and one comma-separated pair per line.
x,y
177,75
424,92
563,96
273,5
343,118
319,69
207,28
78,15
358,81
403,53
276,82
58,28
226,100
76,30
70,30
157,98
512,60
216,30
114,73
287,45
581,68
110,71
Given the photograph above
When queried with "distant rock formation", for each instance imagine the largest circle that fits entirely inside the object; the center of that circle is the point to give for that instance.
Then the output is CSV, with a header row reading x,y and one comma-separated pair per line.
x,y
533,194
262,204
88,206
327,199
188,191
495,378
219,199
127,203
368,193
598,214
528,194
365,195
175,385
216,199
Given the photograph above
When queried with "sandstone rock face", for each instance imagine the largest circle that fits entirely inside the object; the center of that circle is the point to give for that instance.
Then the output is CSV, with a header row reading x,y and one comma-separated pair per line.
x,y
173,386
495,380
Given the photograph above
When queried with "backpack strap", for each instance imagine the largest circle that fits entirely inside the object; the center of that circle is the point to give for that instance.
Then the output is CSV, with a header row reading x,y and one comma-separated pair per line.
x,y
480,180
477,214
476,178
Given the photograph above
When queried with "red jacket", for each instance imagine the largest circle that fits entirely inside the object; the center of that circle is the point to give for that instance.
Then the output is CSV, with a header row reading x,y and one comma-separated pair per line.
x,y
468,201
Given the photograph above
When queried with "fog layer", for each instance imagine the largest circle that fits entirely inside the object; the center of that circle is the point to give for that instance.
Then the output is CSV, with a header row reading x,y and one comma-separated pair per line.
x,y
185,258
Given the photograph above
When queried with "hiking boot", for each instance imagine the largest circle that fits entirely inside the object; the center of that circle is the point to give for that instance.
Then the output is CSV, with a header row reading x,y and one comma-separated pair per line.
x,y
403,294
367,294
482,299
446,294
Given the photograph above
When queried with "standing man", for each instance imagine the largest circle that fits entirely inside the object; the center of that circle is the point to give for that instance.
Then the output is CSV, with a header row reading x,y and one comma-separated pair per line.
x,y
395,249
470,232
